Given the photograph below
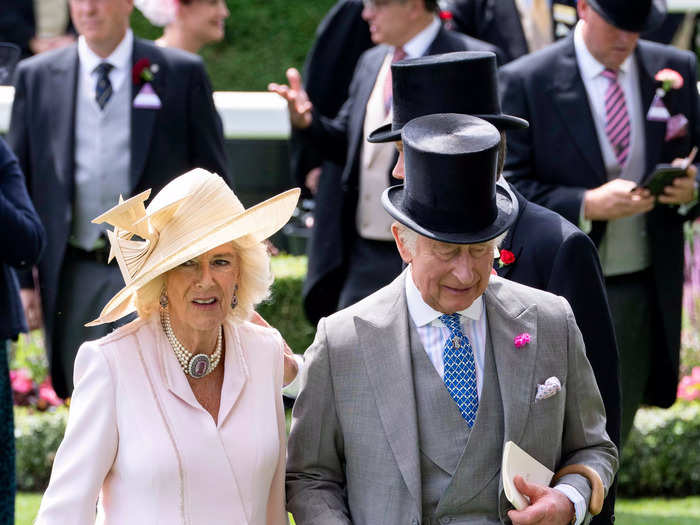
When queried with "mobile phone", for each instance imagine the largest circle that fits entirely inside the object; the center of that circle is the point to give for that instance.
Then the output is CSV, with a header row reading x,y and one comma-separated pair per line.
x,y
662,176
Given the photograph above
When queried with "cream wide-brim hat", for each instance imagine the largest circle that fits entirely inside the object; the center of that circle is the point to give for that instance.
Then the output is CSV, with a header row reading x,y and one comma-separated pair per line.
x,y
191,215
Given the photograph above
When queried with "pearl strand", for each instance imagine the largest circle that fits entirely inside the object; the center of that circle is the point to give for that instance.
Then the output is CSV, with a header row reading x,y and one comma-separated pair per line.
x,y
183,355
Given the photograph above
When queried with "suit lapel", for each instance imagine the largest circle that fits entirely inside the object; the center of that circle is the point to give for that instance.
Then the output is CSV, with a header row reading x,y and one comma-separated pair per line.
x,y
384,342
63,81
654,132
366,84
142,120
508,244
507,318
571,101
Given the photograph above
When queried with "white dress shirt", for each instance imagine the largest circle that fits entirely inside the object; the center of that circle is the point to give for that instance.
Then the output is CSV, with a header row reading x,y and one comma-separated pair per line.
x,y
120,60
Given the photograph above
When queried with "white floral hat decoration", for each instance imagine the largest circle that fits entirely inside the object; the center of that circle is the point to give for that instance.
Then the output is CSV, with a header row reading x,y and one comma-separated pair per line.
x,y
158,12
191,215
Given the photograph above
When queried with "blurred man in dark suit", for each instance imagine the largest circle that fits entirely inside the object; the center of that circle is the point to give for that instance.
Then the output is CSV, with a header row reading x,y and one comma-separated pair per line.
x,y
352,251
596,132
111,115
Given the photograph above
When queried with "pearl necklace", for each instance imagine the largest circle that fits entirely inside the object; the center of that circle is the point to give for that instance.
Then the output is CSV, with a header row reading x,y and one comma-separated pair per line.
x,y
198,365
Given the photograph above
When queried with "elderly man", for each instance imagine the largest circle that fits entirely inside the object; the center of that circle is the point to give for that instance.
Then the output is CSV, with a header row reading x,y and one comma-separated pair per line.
x,y
598,128
408,396
110,115
351,252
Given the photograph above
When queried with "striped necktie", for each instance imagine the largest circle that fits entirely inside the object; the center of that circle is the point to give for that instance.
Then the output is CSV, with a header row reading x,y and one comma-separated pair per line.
x,y
104,87
399,54
460,369
617,122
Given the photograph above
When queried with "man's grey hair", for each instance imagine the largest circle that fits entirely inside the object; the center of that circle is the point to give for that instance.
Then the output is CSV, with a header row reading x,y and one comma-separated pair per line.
x,y
409,237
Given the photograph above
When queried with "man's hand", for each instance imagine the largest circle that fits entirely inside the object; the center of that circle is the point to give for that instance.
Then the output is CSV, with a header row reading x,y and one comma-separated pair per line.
x,y
290,365
682,191
297,100
547,506
312,179
616,199
32,307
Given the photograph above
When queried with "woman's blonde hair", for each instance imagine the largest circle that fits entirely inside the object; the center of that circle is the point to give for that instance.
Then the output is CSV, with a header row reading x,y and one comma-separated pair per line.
x,y
254,281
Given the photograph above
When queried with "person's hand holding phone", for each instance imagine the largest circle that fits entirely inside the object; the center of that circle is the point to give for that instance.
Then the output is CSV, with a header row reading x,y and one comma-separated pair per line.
x,y
682,190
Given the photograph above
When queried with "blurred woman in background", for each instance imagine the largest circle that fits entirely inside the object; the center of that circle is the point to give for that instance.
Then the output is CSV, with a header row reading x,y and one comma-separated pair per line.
x,y
189,24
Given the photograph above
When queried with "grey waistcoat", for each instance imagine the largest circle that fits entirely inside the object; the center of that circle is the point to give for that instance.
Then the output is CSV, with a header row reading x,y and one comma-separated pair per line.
x,y
102,160
460,468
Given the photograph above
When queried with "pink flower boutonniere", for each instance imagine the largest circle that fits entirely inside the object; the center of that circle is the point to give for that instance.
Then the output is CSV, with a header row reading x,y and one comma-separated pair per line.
x,y
521,340
670,79
506,257
676,125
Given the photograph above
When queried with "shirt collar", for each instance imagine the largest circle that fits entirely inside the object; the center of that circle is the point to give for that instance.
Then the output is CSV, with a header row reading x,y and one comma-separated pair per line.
x,y
587,63
419,44
120,57
423,314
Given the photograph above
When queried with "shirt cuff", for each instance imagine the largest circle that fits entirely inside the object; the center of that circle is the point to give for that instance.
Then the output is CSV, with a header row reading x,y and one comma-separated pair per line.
x,y
576,498
583,223
683,209
292,389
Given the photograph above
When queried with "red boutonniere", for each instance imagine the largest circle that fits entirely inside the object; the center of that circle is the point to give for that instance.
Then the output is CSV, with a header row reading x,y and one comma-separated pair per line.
x,y
447,19
506,257
143,71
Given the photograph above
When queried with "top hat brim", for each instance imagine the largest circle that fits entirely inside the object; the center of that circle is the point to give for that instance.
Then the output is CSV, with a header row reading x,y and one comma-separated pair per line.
x,y
385,133
655,18
506,202
258,222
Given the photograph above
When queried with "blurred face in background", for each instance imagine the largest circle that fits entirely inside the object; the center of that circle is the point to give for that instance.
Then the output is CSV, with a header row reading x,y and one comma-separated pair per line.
x,y
390,21
203,19
103,23
609,45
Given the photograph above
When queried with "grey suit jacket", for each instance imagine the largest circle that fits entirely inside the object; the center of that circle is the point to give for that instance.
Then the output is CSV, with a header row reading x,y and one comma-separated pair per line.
x,y
353,449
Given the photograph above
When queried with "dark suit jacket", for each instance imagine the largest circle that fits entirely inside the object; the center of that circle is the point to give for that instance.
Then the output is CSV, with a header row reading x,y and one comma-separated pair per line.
x,y
22,239
183,134
558,158
340,140
341,37
497,22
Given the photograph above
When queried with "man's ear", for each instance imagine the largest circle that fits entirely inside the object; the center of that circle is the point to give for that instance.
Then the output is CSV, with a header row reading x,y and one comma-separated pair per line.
x,y
403,250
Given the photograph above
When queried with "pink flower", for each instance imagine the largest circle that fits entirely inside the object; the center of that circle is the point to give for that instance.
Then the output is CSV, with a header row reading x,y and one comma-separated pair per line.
x,y
47,393
521,340
21,381
689,386
670,78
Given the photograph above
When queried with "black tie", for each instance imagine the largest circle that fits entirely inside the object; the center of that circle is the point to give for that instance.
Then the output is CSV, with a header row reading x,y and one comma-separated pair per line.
x,y
104,86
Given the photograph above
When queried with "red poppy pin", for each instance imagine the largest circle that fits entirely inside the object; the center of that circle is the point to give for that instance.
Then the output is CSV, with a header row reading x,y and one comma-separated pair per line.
x,y
506,257
521,340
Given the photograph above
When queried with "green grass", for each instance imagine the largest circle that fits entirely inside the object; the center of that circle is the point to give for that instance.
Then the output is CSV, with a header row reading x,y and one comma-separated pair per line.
x,y
684,511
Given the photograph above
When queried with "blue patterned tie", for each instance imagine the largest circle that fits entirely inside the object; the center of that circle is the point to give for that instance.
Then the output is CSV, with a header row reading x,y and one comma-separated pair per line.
x,y
104,86
460,371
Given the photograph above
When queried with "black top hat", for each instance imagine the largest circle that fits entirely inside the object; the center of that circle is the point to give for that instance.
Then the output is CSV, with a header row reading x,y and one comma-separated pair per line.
x,y
635,16
9,56
462,82
450,192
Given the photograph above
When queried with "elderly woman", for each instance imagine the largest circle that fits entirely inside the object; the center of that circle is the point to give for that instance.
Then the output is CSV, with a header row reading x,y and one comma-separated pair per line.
x,y
177,416
189,24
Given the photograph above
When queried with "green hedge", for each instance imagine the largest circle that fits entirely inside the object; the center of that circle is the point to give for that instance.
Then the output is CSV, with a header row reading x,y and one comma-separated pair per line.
x,y
662,455
263,38
37,436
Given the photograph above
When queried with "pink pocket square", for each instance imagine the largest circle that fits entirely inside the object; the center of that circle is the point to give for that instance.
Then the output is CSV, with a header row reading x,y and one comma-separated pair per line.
x,y
551,387
676,127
